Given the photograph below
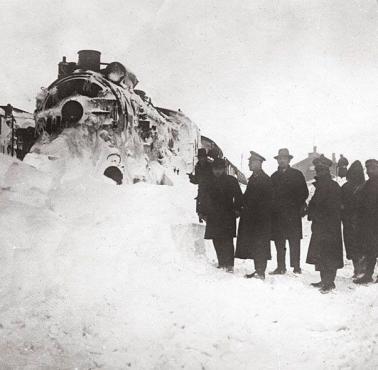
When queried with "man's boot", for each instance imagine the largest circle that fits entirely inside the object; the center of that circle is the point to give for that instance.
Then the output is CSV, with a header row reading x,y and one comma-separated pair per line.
x,y
295,255
328,279
260,276
321,282
326,288
368,268
317,285
255,275
281,259
229,269
364,279
278,271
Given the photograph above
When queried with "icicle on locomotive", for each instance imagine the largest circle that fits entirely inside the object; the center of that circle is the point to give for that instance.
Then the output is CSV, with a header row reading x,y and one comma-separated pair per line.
x,y
94,110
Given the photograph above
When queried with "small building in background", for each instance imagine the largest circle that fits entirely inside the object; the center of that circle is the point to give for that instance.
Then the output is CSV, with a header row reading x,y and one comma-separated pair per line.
x,y
23,135
307,168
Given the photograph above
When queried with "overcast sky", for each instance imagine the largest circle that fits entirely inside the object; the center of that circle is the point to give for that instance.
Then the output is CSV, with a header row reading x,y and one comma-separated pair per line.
x,y
254,75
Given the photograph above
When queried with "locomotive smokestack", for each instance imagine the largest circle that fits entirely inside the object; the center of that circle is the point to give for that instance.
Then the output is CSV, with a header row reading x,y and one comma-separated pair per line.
x,y
89,59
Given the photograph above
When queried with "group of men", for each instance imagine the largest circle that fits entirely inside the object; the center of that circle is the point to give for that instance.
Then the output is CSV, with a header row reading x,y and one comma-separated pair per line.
x,y
272,208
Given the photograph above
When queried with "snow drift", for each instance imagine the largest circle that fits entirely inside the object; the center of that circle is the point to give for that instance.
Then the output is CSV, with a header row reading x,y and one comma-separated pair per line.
x,y
96,275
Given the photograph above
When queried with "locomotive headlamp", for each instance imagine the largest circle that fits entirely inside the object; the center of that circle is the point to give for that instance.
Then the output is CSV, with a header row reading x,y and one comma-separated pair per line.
x,y
115,72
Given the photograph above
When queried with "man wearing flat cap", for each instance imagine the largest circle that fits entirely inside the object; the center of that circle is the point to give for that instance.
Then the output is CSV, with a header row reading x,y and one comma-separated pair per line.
x,y
368,221
289,201
254,233
202,173
220,203
326,246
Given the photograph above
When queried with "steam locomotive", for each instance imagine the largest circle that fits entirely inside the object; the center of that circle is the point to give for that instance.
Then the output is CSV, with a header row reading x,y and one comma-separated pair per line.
x,y
103,99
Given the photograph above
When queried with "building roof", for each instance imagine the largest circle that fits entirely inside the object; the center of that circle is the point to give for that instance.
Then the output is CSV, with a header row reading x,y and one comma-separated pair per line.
x,y
308,169
23,118
16,110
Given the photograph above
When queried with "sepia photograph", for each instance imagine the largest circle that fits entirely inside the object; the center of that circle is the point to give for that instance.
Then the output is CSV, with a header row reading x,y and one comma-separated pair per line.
x,y
189,185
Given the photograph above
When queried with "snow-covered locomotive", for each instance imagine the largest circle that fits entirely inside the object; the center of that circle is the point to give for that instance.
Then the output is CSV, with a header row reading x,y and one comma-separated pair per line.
x,y
94,108
94,112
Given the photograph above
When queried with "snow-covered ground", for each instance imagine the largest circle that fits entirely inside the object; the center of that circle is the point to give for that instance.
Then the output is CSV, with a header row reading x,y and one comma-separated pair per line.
x,y
95,275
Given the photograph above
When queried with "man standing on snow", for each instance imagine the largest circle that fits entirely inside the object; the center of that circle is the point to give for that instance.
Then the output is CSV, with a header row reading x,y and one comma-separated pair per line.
x,y
326,246
202,174
368,221
220,203
289,202
349,214
255,222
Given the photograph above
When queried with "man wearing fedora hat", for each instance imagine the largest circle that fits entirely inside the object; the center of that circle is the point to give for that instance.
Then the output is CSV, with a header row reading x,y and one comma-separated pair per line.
x,y
254,232
290,194
202,169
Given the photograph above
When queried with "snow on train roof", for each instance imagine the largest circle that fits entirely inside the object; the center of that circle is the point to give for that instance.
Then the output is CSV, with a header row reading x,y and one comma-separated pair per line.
x,y
23,119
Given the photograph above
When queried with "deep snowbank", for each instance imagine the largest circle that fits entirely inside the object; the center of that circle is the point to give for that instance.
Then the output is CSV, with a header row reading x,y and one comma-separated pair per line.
x,y
102,276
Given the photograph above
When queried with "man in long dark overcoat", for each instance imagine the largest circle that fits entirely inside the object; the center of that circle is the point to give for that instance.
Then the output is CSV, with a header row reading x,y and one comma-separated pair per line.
x,y
368,221
219,205
254,233
326,247
289,201
202,174
350,193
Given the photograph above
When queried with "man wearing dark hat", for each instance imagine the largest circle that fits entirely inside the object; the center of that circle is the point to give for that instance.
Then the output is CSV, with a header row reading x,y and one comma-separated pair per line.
x,y
289,201
342,166
202,170
202,173
326,247
214,153
254,233
368,221
220,203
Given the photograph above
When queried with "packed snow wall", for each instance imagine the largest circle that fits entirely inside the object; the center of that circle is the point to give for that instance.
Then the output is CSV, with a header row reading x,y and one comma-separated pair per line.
x,y
93,116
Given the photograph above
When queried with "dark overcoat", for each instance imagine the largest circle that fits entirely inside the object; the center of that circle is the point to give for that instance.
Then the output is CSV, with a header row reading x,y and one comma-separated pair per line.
x,y
290,194
203,173
255,227
220,199
368,217
326,246
349,216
